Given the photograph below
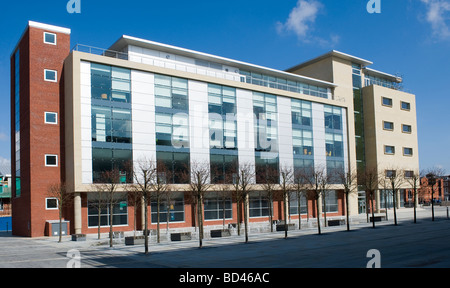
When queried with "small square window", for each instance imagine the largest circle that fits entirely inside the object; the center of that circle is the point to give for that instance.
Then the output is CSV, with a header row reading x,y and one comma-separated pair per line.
x,y
388,125
50,75
390,173
406,106
407,152
51,118
406,128
409,174
49,38
51,160
389,150
387,102
51,203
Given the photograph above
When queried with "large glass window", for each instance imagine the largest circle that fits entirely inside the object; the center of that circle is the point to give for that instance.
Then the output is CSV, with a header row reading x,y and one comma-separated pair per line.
x,y
223,167
171,92
171,209
265,110
119,210
111,124
111,119
222,117
293,204
216,205
172,130
334,145
258,205
333,117
175,165
331,201
111,83
108,159
335,168
301,112
266,167
302,142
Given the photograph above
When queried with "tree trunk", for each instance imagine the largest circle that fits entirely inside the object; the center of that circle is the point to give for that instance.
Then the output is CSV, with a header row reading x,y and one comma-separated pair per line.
x,y
299,211
60,223
246,219
146,225
347,210
111,223
395,205
285,201
200,221
372,210
324,210
317,214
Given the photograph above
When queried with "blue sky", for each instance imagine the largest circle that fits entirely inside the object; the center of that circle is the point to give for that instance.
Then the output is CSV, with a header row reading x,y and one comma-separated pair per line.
x,y
409,37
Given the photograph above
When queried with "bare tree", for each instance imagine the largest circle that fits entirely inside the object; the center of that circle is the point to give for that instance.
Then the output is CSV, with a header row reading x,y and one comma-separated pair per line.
x,y
269,184
100,205
369,180
199,187
433,175
146,181
348,179
110,182
300,188
413,179
324,184
244,180
313,178
59,192
286,179
396,180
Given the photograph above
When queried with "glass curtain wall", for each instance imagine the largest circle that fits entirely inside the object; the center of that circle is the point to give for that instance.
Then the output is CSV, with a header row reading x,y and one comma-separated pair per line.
x,y
111,121
222,133
266,137
334,142
302,136
172,128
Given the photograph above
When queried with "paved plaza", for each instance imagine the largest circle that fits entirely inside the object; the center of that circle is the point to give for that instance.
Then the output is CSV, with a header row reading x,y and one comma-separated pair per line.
x,y
422,245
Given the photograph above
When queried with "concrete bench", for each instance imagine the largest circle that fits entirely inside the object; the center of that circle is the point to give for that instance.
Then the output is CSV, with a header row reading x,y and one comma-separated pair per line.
x,y
336,222
181,236
220,233
281,226
135,240
377,218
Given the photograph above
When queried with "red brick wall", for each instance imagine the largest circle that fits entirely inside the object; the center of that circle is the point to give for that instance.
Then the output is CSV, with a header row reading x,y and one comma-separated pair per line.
x,y
37,138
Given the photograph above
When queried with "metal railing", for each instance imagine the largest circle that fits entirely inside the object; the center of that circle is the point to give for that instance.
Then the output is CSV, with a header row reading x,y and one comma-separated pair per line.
x,y
100,51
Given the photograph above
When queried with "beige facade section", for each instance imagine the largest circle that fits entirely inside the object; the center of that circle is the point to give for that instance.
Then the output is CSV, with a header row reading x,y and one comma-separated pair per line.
x,y
383,125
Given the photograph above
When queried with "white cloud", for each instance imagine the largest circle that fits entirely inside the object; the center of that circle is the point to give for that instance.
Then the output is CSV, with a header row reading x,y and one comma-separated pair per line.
x,y
301,21
3,137
4,162
438,14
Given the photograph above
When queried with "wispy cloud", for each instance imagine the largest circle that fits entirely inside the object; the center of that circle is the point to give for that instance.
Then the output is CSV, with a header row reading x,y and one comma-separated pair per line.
x,y
3,136
301,22
4,162
438,15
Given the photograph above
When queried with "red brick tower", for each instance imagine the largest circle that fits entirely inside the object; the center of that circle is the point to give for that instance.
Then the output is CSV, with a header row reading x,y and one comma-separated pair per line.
x,y
37,122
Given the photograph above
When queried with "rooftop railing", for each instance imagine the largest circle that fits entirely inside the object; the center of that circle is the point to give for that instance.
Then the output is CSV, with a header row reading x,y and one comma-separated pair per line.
x,y
100,51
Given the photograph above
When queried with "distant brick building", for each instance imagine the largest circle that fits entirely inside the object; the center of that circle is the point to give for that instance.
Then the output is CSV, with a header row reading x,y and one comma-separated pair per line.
x,y
424,192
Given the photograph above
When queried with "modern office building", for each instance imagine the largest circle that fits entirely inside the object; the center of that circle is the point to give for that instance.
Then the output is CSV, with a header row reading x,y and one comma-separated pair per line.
x,y
79,112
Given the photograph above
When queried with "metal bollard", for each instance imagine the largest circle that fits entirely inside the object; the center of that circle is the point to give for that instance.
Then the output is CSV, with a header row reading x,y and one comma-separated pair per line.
x,y
447,213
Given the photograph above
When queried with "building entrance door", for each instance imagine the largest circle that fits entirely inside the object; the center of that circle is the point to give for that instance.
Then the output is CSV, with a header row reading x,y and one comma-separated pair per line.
x,y
361,202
